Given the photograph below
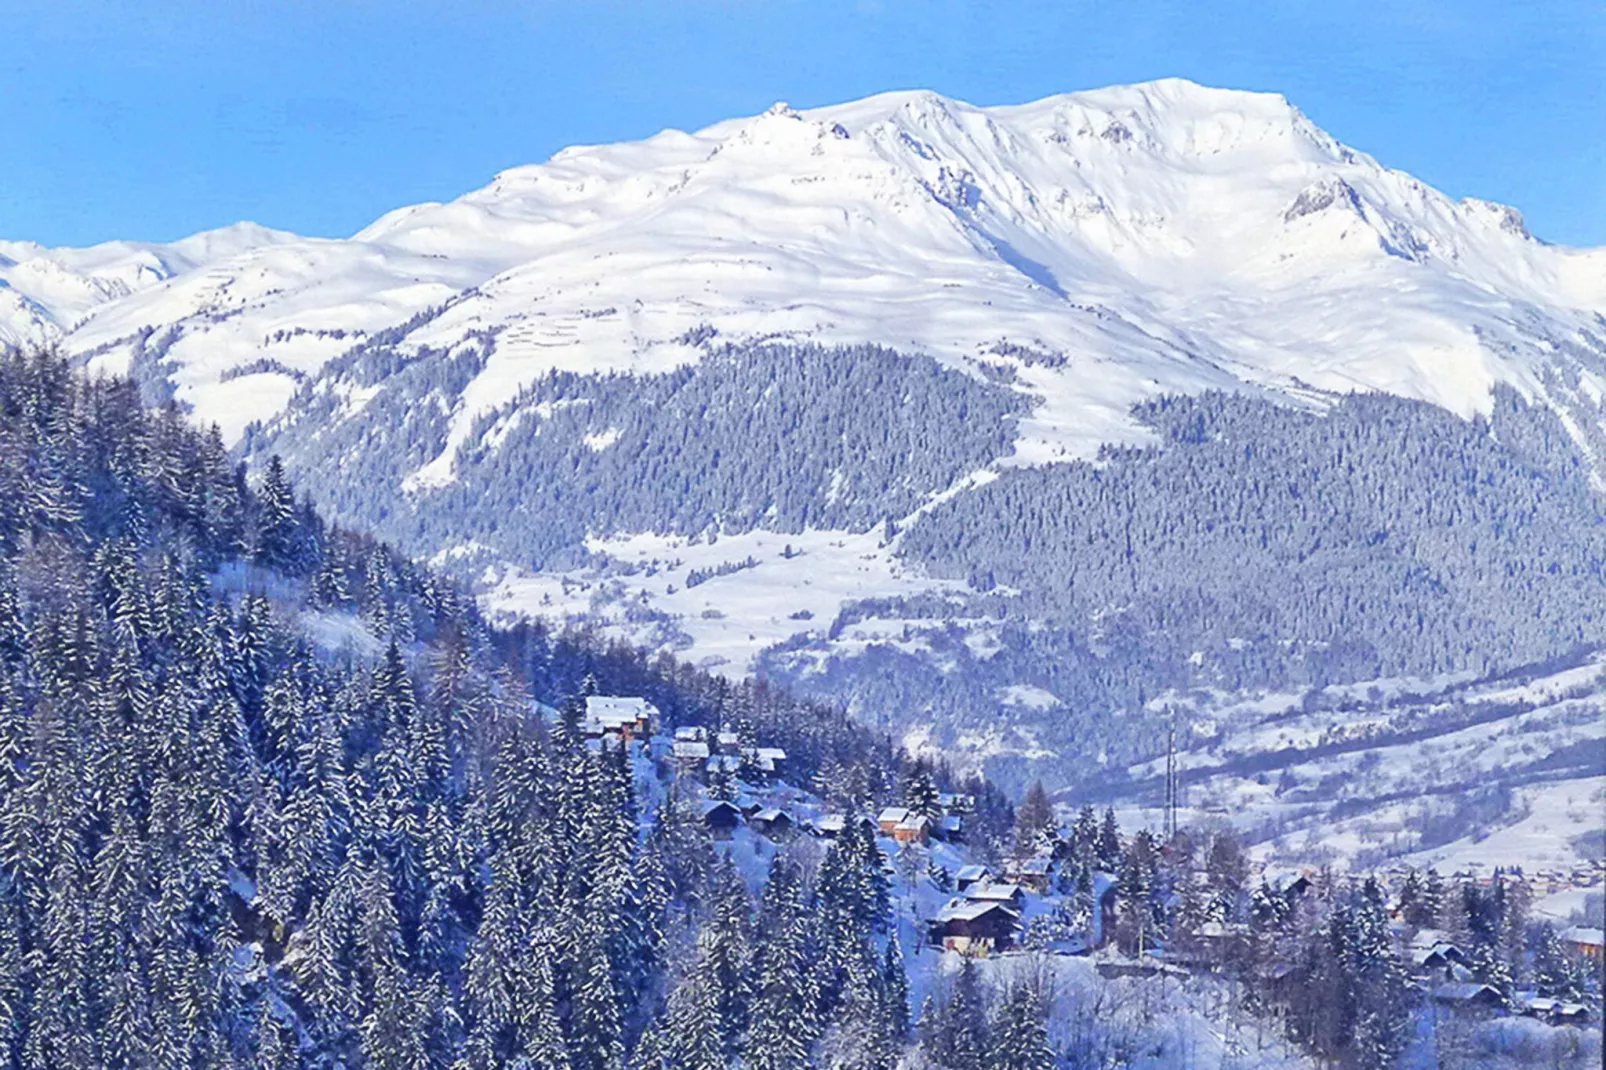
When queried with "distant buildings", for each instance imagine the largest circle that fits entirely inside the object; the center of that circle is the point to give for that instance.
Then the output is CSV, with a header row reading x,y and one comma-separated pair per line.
x,y
614,717
1584,942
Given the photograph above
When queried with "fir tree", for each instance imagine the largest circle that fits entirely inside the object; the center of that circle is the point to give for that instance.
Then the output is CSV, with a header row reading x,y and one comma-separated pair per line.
x,y
1020,1032
1107,848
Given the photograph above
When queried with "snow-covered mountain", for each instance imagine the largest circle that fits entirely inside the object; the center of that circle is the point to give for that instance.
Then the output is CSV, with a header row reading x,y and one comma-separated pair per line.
x,y
46,294
1161,237
796,394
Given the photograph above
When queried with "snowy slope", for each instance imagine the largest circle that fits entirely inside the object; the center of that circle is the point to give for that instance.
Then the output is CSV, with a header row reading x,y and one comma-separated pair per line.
x,y
1158,237
46,293
1451,772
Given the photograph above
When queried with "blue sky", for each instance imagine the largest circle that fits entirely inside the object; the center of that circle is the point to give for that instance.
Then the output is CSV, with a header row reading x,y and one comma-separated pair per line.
x,y
157,119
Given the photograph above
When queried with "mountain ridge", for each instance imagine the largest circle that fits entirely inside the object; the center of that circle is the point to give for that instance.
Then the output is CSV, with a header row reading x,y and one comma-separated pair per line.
x,y
1170,235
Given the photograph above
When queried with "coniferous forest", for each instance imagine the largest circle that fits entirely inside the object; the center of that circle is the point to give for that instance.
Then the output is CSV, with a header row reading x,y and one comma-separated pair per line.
x,y
229,838
272,795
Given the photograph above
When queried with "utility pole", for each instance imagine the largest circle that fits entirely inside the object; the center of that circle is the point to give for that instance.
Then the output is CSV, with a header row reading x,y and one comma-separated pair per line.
x,y
1171,780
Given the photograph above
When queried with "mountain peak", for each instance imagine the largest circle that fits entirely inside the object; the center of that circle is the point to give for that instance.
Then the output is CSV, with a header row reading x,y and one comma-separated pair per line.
x,y
1163,236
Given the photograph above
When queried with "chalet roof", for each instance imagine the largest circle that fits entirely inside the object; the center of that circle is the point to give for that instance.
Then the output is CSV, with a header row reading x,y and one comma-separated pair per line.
x,y
893,815
1034,867
973,873
831,823
692,750
771,813
998,893
764,757
727,738
1465,992
1287,880
1430,938
1584,934
970,910
616,711
730,763
691,733
1547,1005
914,823
714,806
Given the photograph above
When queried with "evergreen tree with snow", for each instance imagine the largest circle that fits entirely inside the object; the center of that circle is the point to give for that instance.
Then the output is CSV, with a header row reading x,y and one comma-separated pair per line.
x,y
1107,846
1020,1031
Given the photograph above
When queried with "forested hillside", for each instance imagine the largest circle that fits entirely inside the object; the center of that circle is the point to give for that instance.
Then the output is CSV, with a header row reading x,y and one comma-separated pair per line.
x,y
1254,546
779,437
273,796
270,795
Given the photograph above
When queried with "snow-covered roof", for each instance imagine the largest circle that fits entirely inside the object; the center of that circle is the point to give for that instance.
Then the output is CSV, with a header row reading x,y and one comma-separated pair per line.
x,y
727,738
1584,934
1464,991
691,733
1283,880
729,763
973,873
773,754
914,823
690,750
893,815
993,892
971,909
771,813
1035,867
614,711
1430,938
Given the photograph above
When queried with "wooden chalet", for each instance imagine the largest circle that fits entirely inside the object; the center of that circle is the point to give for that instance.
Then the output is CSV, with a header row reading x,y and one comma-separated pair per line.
x,y
1555,1011
1432,955
689,755
973,927
916,828
890,818
1469,997
1584,942
1291,885
969,875
773,823
1034,873
617,717
721,818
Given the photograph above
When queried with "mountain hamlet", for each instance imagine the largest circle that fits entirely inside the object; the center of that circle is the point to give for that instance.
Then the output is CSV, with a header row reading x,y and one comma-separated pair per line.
x,y
1118,581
